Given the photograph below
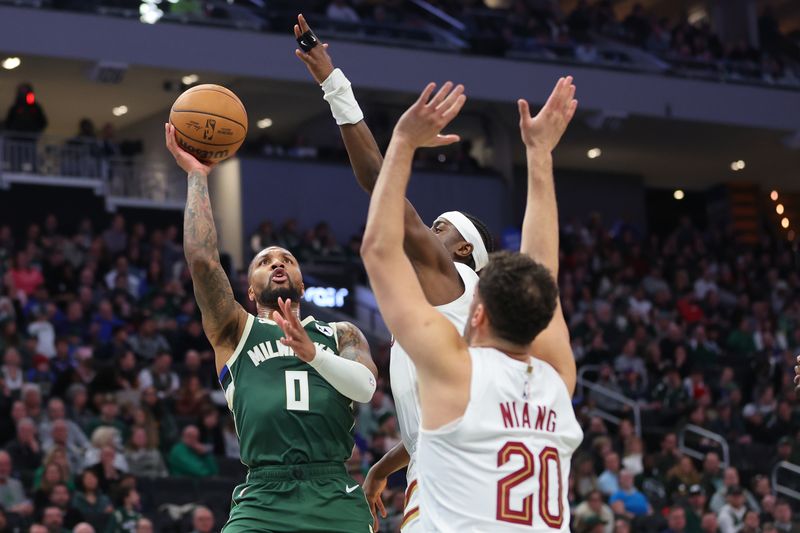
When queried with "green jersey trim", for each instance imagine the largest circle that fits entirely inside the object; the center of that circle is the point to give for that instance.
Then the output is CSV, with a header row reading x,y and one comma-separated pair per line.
x,y
242,340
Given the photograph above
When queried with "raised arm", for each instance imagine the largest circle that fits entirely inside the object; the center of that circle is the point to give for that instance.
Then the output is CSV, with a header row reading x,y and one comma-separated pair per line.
x,y
437,349
540,225
223,317
431,260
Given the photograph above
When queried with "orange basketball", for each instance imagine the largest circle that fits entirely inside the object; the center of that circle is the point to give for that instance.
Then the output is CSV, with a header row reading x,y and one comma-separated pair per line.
x,y
210,122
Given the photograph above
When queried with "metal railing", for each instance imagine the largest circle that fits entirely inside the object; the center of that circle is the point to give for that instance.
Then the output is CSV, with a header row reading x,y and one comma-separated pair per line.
x,y
705,434
781,488
46,159
604,392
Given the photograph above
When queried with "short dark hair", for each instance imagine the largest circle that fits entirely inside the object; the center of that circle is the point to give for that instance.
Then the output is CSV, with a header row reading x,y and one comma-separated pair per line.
x,y
486,237
519,296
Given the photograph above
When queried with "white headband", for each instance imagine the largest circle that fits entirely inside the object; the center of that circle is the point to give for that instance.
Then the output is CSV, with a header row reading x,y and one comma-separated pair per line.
x,y
471,234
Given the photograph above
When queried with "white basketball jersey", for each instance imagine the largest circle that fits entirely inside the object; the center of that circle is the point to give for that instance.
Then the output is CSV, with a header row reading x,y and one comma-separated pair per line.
x,y
404,376
504,465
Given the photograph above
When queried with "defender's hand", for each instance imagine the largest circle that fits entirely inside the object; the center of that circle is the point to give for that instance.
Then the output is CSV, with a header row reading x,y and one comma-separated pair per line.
x,y
545,129
185,160
373,488
317,61
295,337
421,125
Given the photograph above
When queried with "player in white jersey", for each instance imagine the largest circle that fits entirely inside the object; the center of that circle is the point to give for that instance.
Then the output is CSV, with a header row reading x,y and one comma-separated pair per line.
x,y
446,257
497,425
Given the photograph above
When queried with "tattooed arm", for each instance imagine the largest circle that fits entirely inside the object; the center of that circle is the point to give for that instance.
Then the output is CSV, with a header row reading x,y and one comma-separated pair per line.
x,y
223,317
353,345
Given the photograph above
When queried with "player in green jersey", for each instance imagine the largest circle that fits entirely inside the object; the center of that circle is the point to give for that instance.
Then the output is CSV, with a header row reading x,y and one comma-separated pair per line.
x,y
289,383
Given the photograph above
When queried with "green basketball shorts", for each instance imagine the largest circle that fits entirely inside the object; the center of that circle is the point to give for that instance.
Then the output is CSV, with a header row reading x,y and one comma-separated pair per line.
x,y
299,498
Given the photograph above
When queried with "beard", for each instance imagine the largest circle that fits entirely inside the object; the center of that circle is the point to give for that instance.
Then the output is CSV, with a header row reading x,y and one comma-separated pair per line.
x,y
269,296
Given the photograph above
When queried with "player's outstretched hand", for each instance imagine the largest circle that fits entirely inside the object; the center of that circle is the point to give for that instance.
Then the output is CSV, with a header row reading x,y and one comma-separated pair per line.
x,y
295,337
545,129
185,160
317,61
422,123
797,375
373,488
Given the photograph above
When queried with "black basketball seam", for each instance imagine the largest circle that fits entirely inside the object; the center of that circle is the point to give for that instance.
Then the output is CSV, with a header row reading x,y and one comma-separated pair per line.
x,y
212,115
201,142
234,97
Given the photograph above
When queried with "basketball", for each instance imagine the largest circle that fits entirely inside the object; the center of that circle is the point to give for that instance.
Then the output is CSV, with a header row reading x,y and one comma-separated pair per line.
x,y
210,122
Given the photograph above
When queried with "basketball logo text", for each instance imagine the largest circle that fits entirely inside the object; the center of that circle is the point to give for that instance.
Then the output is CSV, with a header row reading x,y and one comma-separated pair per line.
x,y
208,132
203,155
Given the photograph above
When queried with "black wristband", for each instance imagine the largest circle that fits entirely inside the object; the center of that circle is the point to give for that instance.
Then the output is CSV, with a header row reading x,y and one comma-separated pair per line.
x,y
308,41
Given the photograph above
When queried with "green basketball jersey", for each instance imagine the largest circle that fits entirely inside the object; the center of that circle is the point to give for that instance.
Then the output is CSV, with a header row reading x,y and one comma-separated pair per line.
x,y
285,412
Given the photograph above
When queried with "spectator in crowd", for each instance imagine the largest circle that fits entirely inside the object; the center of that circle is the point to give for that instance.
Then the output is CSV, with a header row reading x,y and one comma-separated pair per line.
x,y
683,474
190,457
131,282
25,115
32,398
191,398
59,439
608,481
160,376
593,507
109,418
783,518
89,499
43,331
60,499
585,478
83,527
752,524
115,238
126,515
634,501
710,523
341,11
12,373
731,515
25,451
78,410
263,237
108,470
148,342
12,492
202,520
144,525
730,480
695,507
211,432
57,411
25,121
53,519
143,460
676,520
40,374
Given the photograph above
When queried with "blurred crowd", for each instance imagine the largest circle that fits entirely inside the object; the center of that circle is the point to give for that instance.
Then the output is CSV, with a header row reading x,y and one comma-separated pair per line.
x,y
107,385
542,27
694,330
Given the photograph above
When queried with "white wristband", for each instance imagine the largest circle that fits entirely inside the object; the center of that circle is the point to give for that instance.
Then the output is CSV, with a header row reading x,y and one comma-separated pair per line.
x,y
339,95
350,378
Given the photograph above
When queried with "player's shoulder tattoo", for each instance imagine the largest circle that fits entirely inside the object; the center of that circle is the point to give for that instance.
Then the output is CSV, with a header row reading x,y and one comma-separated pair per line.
x,y
352,342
